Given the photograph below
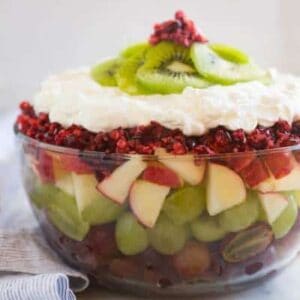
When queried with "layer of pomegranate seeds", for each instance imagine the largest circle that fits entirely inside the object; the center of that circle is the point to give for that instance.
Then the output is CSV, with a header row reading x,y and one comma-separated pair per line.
x,y
144,139
181,31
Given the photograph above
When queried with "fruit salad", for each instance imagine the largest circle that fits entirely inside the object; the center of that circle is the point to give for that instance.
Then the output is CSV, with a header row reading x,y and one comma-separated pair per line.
x,y
172,168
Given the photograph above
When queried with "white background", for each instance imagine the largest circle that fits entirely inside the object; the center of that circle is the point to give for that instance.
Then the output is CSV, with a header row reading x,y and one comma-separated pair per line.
x,y
40,37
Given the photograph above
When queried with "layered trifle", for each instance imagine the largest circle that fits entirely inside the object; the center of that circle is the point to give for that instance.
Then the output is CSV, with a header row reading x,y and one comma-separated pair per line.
x,y
172,168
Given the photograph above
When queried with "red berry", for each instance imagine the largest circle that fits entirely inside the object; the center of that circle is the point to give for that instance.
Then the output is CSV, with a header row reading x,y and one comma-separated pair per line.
x,y
181,31
144,139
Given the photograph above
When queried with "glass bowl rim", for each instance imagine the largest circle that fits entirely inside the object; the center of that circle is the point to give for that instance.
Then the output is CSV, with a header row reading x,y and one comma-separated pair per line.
x,y
98,154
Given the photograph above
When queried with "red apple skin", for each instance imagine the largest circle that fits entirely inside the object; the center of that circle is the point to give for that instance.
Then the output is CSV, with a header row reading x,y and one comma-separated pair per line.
x,y
44,167
192,261
238,163
159,174
280,164
74,164
254,173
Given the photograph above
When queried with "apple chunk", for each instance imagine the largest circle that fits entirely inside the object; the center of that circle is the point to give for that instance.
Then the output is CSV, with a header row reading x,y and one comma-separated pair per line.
x,y
289,182
273,204
225,189
146,201
158,173
255,173
238,163
63,179
183,165
85,190
117,185
280,164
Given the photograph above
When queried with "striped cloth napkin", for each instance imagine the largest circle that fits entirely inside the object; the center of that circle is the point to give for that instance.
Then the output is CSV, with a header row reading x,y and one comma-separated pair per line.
x,y
39,287
29,270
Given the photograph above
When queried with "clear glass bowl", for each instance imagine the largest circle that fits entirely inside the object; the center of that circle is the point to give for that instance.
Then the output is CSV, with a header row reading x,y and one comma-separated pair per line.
x,y
163,224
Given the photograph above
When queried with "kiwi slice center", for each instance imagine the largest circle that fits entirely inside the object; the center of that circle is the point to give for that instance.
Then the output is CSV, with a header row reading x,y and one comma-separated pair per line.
x,y
180,67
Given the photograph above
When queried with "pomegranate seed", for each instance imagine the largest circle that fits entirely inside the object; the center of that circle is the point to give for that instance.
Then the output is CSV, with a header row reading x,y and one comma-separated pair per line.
x,y
181,31
144,139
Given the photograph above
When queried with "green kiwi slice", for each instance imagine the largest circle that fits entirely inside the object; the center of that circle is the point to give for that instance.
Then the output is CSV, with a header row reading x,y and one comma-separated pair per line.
x,y
104,73
169,69
126,74
217,67
135,49
230,53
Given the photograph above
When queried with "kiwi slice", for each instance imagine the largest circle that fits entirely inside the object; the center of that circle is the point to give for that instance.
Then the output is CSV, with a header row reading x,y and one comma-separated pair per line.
x,y
104,73
230,53
126,74
216,66
135,49
169,69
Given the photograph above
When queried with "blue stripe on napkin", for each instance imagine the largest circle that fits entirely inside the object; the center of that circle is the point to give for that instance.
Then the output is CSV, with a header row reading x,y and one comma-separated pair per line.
x,y
39,287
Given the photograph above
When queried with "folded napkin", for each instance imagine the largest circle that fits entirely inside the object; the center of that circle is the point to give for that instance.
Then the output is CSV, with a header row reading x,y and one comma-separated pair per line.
x,y
40,287
24,254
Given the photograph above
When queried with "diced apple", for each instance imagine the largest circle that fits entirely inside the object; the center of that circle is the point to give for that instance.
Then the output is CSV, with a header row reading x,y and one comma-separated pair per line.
x,y
268,185
274,204
225,189
42,166
85,190
183,165
117,185
289,182
238,163
71,163
146,201
255,173
159,174
280,164
63,178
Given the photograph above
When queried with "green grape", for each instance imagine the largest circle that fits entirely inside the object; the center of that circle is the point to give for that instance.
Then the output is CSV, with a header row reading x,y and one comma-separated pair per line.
x,y
63,213
240,216
297,197
166,237
185,204
287,219
207,229
131,237
43,195
101,210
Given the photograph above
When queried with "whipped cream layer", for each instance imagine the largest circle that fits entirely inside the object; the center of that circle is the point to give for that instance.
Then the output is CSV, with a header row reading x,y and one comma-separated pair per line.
x,y
73,97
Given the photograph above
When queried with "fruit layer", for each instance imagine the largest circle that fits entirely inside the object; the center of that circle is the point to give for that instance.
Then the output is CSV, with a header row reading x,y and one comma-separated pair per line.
x,y
197,217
